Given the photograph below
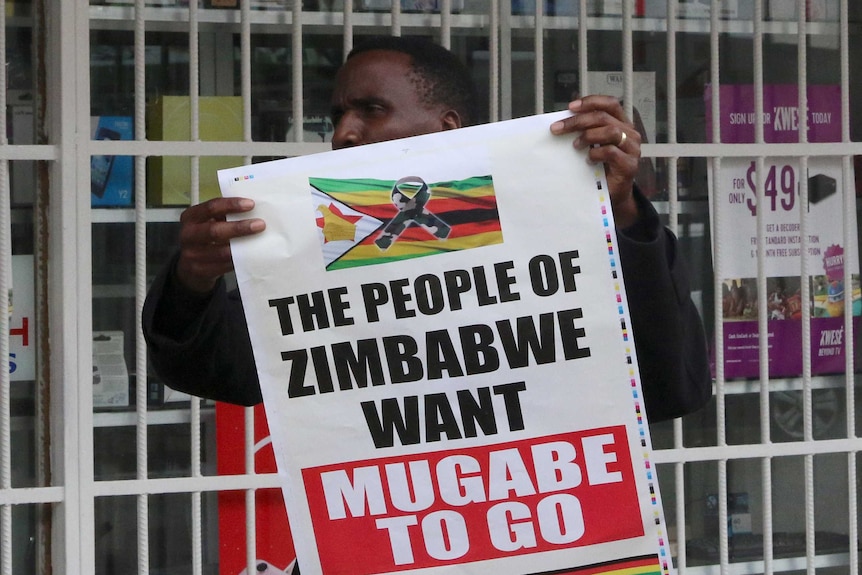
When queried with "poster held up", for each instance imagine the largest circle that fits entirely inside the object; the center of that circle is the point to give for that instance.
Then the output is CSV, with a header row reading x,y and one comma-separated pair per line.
x,y
442,339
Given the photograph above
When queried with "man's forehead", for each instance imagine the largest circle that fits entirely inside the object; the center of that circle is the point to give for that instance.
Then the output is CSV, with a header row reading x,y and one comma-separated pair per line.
x,y
368,74
383,64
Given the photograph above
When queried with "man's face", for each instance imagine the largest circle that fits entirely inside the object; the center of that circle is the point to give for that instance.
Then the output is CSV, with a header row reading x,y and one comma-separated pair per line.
x,y
375,99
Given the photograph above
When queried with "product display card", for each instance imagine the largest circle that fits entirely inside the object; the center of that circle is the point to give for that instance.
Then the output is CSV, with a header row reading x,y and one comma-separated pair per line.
x,y
110,374
442,338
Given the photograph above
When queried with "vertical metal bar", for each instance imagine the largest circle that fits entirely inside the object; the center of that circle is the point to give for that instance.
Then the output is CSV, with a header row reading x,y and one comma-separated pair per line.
x,y
5,254
802,91
5,395
194,99
672,195
194,404
849,215
296,63
583,62
505,61
445,23
763,335
721,430
628,89
672,28
197,513
70,321
245,69
494,61
140,284
44,394
807,426
250,507
672,162
347,29
395,14
245,82
850,337
853,506
5,276
539,50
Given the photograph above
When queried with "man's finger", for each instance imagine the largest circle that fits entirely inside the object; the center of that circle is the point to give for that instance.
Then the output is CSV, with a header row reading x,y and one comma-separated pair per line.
x,y
598,102
618,135
214,232
216,209
583,121
227,231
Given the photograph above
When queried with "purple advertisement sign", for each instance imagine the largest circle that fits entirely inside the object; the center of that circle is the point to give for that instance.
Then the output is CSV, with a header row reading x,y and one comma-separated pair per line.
x,y
742,350
735,223
780,113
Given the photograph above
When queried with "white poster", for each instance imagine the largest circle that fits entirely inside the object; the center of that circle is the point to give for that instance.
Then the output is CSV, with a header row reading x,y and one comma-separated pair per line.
x,y
441,333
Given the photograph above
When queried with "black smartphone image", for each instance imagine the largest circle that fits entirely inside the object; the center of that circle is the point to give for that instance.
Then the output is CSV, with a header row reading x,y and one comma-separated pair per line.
x,y
100,166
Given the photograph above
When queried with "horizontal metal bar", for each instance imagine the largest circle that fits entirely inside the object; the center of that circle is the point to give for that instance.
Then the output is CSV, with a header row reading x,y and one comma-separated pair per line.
x,y
186,484
696,150
743,386
128,417
112,17
109,215
29,152
31,495
757,450
778,565
687,150
272,21
174,148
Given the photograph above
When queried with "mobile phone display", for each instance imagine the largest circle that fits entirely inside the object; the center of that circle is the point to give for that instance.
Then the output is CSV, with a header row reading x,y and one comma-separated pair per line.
x,y
100,166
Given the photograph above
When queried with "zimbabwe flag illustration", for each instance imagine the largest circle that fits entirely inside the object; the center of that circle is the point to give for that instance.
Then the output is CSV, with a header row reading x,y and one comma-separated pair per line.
x,y
368,221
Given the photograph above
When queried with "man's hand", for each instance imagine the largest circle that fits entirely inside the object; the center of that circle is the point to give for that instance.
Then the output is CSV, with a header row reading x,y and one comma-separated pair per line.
x,y
613,140
205,236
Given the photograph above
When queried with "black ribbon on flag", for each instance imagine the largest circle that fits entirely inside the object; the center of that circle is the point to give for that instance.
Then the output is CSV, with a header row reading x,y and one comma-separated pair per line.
x,y
411,212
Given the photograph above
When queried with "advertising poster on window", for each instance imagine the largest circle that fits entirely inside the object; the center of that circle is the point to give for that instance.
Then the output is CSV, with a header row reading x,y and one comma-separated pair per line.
x,y
736,228
442,337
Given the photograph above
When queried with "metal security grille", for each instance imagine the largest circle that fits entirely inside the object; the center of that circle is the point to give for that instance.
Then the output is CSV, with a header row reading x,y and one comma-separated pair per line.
x,y
763,480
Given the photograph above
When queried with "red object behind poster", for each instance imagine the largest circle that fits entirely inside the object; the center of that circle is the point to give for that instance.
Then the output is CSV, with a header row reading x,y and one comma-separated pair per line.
x,y
275,554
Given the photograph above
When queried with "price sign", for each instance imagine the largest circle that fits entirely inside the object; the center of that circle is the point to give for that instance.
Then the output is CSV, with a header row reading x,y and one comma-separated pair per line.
x,y
737,185
780,187
783,244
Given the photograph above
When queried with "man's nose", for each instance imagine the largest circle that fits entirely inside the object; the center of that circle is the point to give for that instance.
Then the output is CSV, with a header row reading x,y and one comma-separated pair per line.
x,y
348,132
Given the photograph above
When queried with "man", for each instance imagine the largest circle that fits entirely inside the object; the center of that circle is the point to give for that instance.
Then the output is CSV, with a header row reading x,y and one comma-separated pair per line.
x,y
393,88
